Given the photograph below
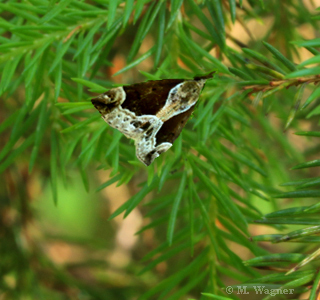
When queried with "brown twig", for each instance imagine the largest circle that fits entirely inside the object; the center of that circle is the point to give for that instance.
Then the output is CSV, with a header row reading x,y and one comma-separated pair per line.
x,y
283,83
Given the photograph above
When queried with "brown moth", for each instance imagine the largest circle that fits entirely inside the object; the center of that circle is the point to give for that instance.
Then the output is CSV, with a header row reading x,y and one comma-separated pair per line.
x,y
152,113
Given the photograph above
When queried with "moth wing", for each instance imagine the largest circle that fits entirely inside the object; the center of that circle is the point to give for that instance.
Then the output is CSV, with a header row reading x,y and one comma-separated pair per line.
x,y
123,107
147,98
166,135
172,128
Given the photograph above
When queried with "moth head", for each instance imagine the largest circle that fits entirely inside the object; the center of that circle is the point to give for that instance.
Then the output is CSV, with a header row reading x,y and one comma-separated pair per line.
x,y
109,100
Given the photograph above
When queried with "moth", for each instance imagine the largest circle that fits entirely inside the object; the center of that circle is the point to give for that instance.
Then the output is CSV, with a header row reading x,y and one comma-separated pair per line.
x,y
152,113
